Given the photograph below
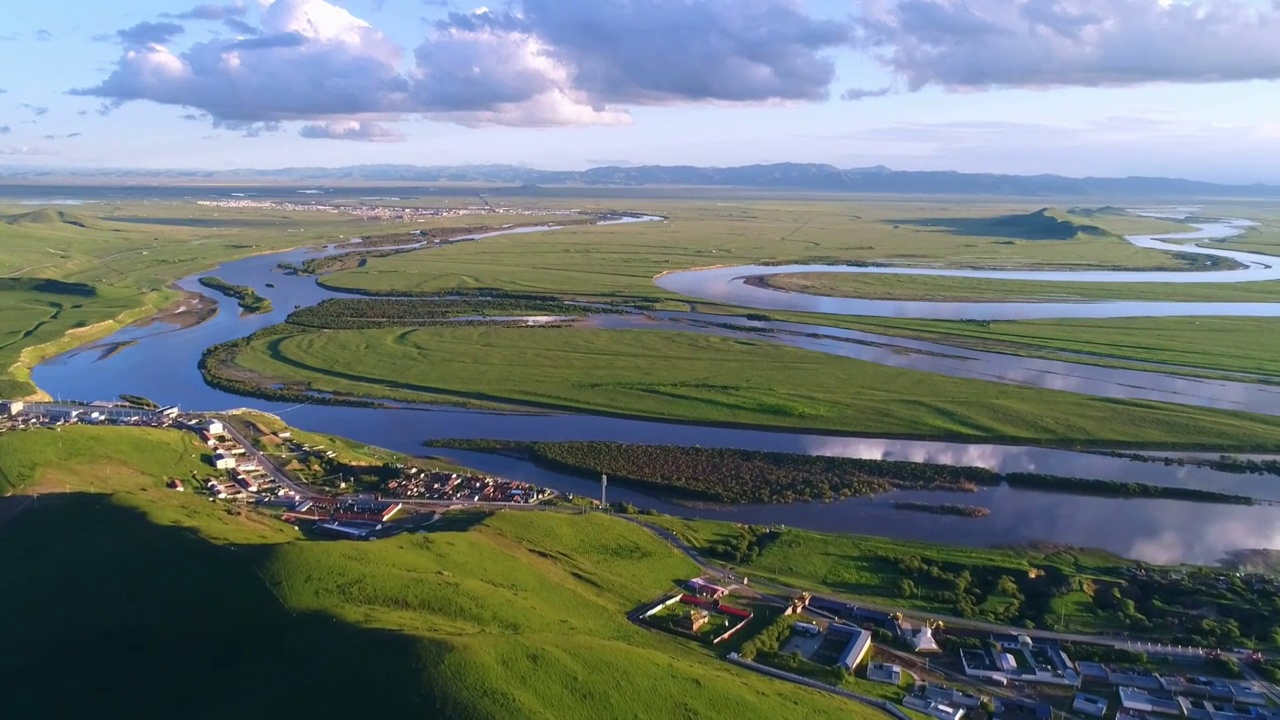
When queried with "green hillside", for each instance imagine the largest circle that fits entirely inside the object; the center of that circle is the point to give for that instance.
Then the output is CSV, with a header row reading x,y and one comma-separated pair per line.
x,y
150,603
48,216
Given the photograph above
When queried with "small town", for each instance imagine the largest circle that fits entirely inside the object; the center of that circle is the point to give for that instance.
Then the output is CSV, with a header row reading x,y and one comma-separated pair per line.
x,y
907,667
385,213
943,674
314,489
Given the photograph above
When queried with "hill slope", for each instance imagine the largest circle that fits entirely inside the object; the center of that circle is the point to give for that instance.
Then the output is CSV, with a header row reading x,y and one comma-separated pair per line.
x,y
48,216
152,603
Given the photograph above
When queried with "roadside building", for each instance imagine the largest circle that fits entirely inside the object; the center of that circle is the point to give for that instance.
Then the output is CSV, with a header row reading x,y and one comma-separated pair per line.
x,y
1090,705
702,588
224,462
951,696
884,673
214,427
1140,701
857,648
11,408
939,711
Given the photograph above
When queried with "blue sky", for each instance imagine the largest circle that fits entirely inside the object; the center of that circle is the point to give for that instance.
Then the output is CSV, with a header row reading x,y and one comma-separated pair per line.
x,y
1078,87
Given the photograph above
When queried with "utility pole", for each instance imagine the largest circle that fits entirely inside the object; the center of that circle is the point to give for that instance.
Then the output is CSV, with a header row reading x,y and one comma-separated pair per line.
x,y
604,487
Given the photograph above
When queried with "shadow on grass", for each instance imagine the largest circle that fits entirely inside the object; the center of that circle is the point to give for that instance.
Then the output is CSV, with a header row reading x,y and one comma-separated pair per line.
x,y
1038,225
107,614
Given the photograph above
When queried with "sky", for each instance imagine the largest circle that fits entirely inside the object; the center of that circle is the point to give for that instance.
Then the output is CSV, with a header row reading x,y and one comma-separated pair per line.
x,y
1178,88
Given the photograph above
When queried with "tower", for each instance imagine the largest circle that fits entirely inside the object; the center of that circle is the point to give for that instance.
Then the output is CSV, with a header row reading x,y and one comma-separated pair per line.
x,y
604,486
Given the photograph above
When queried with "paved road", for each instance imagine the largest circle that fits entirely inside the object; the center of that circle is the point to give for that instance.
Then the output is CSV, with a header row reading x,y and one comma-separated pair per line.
x,y
276,473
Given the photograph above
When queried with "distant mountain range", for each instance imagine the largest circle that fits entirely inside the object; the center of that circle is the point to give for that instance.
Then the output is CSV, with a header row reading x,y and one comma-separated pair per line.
x,y
781,176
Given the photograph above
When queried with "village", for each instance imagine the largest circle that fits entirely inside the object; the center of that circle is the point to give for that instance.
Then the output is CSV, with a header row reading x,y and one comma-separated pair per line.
x,y
924,670
386,213
308,484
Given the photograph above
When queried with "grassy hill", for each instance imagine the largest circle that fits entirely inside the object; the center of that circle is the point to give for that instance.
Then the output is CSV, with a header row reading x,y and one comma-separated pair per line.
x,y
150,603
49,216
1043,224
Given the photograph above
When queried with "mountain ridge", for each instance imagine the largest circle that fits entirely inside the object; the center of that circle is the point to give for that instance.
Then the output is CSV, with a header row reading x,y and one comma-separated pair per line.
x,y
812,177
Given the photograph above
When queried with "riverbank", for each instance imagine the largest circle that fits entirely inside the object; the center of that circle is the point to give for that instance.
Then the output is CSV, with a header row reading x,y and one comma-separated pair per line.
x,y
973,290
248,298
749,477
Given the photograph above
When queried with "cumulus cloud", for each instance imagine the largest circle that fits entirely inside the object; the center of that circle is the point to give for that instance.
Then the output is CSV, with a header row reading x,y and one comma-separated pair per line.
x,y
983,44
351,130
543,62
150,33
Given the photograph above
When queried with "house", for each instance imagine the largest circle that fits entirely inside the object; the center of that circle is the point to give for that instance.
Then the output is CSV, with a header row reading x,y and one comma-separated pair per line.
x,y
951,696
224,462
884,673
175,484
694,620
11,408
933,709
701,587
857,648
1090,705
213,427
1140,701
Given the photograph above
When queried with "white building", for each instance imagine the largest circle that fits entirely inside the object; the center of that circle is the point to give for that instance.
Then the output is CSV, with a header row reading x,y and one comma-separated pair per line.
x,y
1090,705
213,427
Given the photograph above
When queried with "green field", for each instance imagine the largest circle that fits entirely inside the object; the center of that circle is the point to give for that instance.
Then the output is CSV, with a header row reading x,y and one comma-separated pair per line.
x,y
125,256
1063,589
623,259
686,376
953,289
1213,344
140,601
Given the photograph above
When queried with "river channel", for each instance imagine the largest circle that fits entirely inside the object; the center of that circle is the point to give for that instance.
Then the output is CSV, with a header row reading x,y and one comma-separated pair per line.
x,y
160,361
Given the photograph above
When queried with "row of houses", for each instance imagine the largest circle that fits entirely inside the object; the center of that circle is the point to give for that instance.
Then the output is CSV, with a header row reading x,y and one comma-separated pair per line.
x,y
241,466
416,483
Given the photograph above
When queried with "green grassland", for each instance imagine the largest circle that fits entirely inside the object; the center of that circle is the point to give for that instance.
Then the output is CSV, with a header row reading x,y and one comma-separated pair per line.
x,y
687,376
1211,344
136,600
623,259
126,255
955,289
866,568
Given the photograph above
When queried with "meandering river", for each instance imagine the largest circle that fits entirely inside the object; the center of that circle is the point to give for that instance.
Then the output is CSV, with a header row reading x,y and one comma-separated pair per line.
x,y
159,361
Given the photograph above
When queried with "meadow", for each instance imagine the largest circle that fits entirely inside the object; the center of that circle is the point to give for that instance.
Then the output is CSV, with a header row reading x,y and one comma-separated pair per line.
x,y
144,594
1197,346
1054,588
953,289
122,256
702,378
621,260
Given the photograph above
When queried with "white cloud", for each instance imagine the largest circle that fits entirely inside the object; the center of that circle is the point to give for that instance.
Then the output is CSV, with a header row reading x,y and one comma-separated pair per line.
x,y
567,62
351,130
983,44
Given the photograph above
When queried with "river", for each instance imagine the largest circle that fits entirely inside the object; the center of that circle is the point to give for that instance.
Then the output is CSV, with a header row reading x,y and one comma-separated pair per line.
x,y
159,361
